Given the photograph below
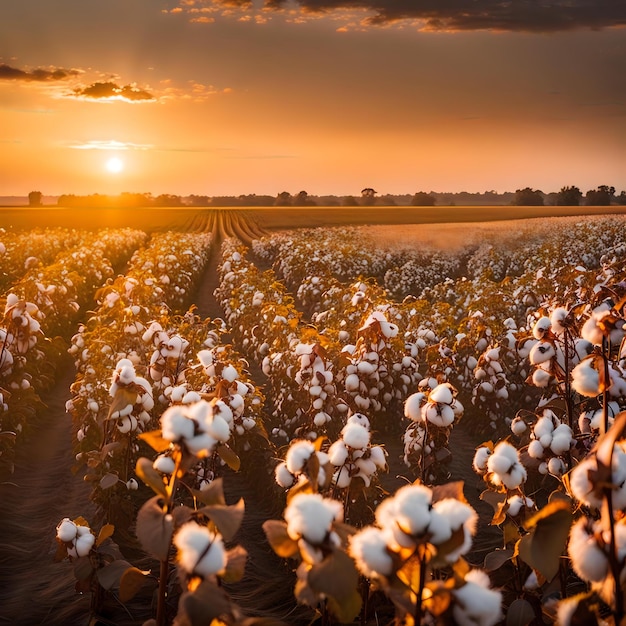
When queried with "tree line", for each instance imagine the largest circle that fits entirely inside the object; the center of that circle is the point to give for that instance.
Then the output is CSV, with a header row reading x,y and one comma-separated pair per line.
x,y
603,195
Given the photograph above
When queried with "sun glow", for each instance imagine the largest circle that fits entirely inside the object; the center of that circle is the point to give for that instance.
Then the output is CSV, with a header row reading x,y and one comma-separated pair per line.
x,y
114,165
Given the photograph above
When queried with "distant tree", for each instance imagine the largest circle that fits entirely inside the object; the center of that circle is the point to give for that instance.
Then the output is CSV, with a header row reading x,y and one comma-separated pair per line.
x,y
349,201
421,198
283,199
35,198
167,199
303,199
601,196
388,200
621,199
568,196
194,200
528,197
368,196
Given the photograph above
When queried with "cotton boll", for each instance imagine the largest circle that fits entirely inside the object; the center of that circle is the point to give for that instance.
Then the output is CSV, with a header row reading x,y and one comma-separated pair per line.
x,y
541,378
164,464
516,503
458,514
475,603
588,559
581,486
84,543
592,329
310,516
66,530
481,457
200,551
442,394
535,449
283,476
541,352
355,436
352,382
379,456
586,379
541,327
338,453
413,406
369,550
518,426
298,455
562,439
359,418
556,466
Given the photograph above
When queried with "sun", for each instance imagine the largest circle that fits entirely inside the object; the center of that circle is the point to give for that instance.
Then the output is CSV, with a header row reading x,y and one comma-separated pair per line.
x,y
114,165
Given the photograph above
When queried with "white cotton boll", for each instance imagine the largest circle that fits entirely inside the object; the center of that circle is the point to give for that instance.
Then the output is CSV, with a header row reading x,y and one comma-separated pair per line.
x,y
586,379
378,454
413,406
541,378
66,530
518,426
556,466
591,330
359,418
311,516
544,426
583,348
191,397
562,439
541,352
481,457
355,436
352,382
200,551
388,329
338,453
205,357
486,387
201,445
535,449
504,463
230,373
541,327
298,455
362,403
177,393
588,560
516,503
84,543
581,486
341,478
412,506
557,318
475,604
369,550
283,476
219,408
164,464
442,394
367,368
320,419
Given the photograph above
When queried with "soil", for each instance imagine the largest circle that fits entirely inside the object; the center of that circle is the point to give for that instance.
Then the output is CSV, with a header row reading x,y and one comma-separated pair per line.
x,y
43,490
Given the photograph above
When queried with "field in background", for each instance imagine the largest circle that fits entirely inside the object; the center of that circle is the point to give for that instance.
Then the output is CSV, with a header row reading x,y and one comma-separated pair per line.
x,y
278,218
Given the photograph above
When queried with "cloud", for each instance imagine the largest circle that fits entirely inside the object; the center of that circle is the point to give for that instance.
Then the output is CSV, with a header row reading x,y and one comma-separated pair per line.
x,y
109,145
112,91
443,15
38,75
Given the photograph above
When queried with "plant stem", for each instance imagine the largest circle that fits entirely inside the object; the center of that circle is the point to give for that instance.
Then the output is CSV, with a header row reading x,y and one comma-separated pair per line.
x,y
420,592
161,617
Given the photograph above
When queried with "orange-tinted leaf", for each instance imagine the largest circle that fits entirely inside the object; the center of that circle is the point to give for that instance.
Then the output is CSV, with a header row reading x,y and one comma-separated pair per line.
x,y
131,582
279,539
155,440
105,532
229,457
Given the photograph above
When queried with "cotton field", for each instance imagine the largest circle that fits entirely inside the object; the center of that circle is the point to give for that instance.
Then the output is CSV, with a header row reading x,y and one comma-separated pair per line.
x,y
348,372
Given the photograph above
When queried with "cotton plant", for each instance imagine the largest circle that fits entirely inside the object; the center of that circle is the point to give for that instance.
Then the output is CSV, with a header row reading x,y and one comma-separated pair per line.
x,y
418,531
314,536
433,412
305,467
189,434
98,565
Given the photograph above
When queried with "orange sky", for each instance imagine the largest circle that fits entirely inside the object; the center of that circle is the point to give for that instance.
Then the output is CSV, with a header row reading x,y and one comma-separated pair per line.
x,y
229,97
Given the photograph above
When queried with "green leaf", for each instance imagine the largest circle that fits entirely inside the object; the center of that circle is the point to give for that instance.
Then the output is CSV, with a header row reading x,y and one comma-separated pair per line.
x,y
337,577
150,476
109,480
543,546
229,457
131,582
276,533
155,529
227,518
519,613
109,576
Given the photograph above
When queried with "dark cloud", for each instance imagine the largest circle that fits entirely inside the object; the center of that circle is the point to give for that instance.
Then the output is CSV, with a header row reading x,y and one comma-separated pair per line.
x,y
109,90
39,75
497,15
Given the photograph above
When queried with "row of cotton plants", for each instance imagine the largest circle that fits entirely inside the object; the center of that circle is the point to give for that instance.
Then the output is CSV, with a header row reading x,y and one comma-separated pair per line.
x,y
45,303
22,250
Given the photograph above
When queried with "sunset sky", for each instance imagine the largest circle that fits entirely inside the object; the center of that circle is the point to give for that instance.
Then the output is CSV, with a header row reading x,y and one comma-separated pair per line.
x,y
229,97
